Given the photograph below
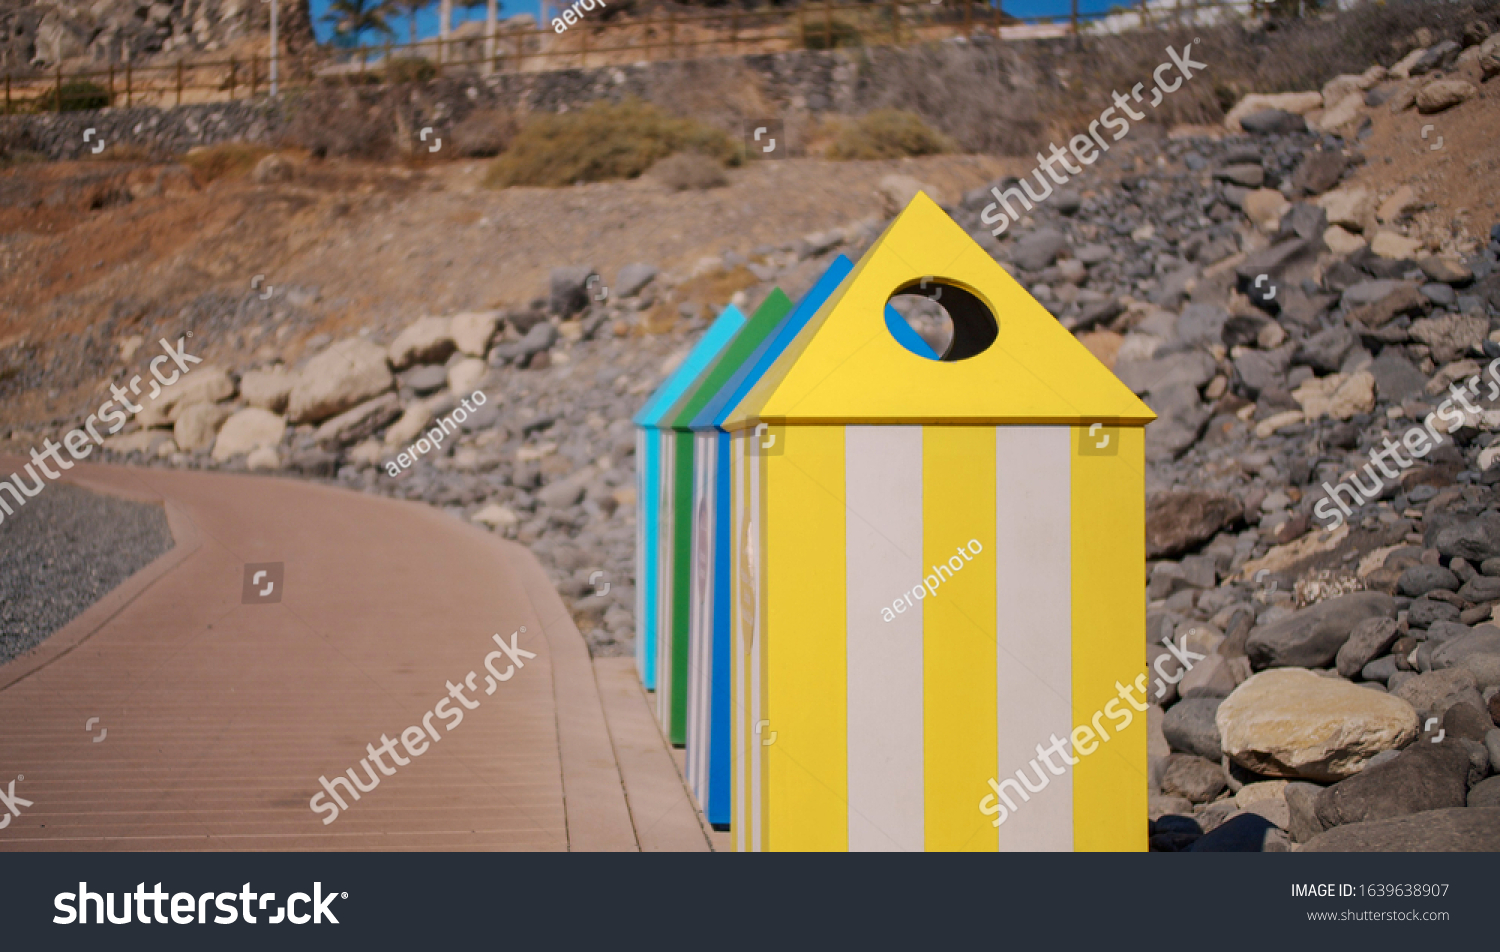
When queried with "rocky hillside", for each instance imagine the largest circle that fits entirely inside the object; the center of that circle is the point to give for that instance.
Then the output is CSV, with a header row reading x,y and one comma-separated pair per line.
x,y
40,35
1308,297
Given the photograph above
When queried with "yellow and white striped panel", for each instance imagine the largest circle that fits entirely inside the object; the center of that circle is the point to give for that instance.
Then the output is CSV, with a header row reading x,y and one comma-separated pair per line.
x,y
937,603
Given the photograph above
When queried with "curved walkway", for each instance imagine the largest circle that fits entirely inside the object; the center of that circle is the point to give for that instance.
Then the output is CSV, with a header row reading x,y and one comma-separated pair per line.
x,y
218,718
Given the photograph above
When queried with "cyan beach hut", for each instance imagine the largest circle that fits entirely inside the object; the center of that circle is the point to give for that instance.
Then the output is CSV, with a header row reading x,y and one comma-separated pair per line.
x,y
648,442
680,473
938,573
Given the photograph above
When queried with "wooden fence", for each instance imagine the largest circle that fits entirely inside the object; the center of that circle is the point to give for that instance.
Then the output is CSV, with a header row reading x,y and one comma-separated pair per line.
x,y
672,35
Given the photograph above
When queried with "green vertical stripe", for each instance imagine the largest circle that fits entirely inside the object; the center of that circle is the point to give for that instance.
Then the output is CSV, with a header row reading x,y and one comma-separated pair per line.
x,y
682,562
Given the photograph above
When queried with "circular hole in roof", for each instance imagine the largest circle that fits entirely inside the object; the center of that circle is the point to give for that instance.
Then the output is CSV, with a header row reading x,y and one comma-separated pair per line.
x,y
938,320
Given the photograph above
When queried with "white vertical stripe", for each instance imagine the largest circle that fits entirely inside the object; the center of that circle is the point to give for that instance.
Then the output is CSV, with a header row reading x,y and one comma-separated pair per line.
x,y
666,519
883,538
1034,630
741,815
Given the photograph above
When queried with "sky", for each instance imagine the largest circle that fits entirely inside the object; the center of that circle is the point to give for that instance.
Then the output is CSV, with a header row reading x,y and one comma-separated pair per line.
x,y
427,20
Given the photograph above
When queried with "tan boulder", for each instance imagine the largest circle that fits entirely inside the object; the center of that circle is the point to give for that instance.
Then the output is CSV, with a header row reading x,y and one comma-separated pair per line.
x,y
1264,207
246,431
1443,94
1349,208
1388,244
1397,204
344,375
472,331
897,191
268,389
1341,242
196,426
1340,396
465,376
1290,722
428,341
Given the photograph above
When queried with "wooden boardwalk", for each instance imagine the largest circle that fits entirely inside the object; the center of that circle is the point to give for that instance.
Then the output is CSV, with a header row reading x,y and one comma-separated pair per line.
x,y
222,717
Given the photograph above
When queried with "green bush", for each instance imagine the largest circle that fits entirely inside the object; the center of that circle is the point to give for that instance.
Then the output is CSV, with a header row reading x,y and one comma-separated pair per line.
x,y
77,95
888,134
409,69
820,34
604,141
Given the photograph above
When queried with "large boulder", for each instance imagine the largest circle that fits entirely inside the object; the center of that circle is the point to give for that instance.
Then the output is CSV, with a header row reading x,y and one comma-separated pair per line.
x,y
1289,722
1312,637
206,384
1428,692
1477,652
472,331
1189,727
340,378
268,389
1182,520
360,423
196,426
246,431
427,341
1473,540
1422,777
1454,830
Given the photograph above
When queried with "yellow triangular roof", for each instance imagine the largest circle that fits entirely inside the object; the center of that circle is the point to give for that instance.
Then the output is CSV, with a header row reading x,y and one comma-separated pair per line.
x,y
845,367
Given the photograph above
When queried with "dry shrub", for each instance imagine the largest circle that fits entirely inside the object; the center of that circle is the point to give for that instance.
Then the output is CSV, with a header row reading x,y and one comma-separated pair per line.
x,y
689,170
888,134
484,133
603,141
230,160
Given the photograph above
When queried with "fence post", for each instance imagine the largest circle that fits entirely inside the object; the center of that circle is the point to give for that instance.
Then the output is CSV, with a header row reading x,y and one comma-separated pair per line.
x,y
583,46
1074,17
179,82
1145,16
129,89
895,24
996,19
969,17
7,94
734,30
233,80
828,24
520,48
111,85
672,35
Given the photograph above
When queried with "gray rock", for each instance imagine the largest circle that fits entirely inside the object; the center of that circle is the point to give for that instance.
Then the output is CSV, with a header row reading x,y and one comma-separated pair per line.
x,y
1301,800
1274,122
1467,722
1273,261
1193,368
1201,324
569,289
1303,220
1477,652
1368,292
1480,588
563,493
1318,171
1423,777
633,278
1193,778
1093,254
1454,830
1421,579
1369,639
1424,611
1324,352
1440,294
360,423
1436,57
1312,637
1446,270
1180,418
1473,540
538,339
1426,692
1486,794
1038,249
425,380
1396,378
1189,728
1261,370
1246,175
1380,669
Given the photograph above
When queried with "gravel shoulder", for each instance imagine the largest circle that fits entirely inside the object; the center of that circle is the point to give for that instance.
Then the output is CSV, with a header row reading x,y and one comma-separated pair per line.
x,y
65,550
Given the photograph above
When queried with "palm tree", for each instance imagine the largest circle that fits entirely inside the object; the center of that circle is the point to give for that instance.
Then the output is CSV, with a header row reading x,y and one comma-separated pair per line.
x,y
410,9
352,19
